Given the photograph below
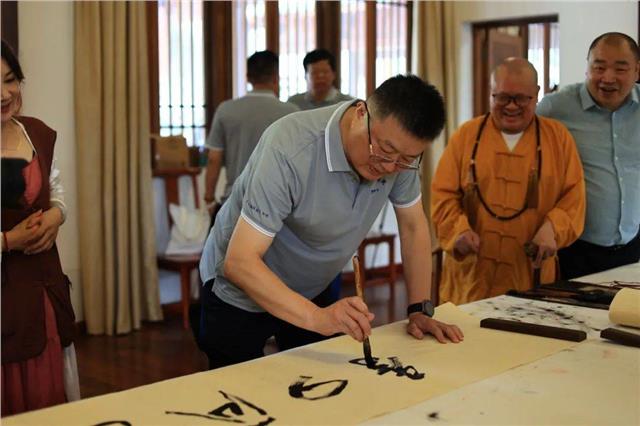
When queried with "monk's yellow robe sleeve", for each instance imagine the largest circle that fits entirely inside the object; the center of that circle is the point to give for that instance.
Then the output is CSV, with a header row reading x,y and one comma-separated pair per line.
x,y
448,218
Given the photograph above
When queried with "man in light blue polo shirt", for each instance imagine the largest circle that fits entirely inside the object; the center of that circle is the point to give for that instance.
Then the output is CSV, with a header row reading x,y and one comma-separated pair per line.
x,y
307,198
603,115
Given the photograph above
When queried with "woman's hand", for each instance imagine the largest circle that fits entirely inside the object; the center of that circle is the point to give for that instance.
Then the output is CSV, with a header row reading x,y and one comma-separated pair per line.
x,y
24,233
47,232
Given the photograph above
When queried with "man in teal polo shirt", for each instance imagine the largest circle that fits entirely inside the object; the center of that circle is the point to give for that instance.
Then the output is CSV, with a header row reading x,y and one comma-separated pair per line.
x,y
603,115
307,198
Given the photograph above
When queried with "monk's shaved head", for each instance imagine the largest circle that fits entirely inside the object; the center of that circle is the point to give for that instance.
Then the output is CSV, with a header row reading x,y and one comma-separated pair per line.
x,y
514,94
515,66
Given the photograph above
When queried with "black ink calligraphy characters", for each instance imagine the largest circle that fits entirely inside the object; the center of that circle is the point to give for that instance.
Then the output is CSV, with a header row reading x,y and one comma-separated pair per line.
x,y
395,366
237,410
314,391
114,423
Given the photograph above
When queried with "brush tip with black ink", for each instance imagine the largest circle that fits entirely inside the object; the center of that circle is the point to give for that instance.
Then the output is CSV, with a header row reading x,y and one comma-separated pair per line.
x,y
366,346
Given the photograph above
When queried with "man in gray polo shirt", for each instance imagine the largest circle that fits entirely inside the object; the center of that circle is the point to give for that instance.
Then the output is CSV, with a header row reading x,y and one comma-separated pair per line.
x,y
239,123
320,73
307,198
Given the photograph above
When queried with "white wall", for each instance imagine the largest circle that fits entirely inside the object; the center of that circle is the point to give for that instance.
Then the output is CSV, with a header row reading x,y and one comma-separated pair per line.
x,y
46,56
580,23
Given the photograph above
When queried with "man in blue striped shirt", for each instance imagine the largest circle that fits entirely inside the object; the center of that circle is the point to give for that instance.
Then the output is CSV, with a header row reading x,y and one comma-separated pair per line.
x,y
603,115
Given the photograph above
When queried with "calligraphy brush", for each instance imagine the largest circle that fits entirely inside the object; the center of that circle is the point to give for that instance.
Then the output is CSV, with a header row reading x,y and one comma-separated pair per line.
x,y
366,345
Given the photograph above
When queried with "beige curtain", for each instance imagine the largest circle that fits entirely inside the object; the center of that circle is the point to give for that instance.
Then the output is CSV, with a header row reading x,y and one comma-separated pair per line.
x,y
117,236
436,62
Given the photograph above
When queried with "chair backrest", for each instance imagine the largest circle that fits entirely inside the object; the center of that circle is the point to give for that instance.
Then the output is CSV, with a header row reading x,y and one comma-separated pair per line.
x,y
437,256
171,188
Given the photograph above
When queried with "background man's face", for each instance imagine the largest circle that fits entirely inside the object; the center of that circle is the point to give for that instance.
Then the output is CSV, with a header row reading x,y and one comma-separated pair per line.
x,y
611,74
320,77
513,118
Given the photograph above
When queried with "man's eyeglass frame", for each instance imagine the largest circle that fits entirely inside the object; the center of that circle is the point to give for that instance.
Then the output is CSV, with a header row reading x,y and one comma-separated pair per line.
x,y
383,159
520,100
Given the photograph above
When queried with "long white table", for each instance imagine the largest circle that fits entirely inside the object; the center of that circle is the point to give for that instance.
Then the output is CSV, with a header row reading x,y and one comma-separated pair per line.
x,y
494,377
594,383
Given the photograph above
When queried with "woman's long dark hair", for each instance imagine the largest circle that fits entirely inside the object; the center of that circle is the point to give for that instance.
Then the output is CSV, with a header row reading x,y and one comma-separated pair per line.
x,y
12,60
13,182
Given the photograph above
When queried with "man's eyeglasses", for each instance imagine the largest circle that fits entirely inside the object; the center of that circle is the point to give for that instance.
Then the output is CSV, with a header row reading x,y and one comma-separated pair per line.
x,y
377,158
502,99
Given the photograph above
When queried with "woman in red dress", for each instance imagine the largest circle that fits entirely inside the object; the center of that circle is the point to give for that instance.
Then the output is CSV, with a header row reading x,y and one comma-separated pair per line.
x,y
38,323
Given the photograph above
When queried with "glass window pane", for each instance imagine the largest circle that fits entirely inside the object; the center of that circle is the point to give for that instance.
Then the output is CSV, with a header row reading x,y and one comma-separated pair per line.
x,y
554,56
297,37
391,39
353,48
535,53
249,36
181,69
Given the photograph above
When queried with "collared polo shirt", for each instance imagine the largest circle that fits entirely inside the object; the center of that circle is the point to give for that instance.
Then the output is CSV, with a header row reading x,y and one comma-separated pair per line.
x,y
299,189
609,147
305,101
238,125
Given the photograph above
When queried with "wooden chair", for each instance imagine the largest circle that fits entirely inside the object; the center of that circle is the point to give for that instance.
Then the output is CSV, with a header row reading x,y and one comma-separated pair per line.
x,y
383,275
437,262
183,264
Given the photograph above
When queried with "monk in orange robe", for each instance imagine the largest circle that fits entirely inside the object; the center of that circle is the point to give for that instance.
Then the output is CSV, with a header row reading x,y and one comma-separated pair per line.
x,y
506,179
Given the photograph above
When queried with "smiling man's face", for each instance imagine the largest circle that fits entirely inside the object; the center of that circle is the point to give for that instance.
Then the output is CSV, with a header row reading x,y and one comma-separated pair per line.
x,y
513,117
611,74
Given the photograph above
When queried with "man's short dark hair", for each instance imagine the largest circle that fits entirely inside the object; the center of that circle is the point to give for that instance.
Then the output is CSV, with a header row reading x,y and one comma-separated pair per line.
x,y
416,104
317,56
614,36
262,67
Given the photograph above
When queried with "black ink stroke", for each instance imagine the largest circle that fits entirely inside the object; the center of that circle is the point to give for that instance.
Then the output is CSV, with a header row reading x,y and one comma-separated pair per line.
x,y
395,366
299,388
113,423
233,412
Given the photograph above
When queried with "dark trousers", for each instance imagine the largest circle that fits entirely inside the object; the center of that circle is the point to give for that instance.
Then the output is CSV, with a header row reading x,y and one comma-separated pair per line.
x,y
194,308
583,258
229,335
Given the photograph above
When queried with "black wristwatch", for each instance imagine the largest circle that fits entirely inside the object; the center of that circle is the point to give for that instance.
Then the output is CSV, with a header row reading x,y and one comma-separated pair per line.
x,y
426,307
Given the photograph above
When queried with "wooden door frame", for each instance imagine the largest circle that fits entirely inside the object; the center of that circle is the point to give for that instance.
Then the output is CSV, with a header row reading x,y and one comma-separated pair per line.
x,y
481,73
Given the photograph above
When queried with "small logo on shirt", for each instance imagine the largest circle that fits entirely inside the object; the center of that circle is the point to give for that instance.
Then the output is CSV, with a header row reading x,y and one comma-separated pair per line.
x,y
382,182
257,209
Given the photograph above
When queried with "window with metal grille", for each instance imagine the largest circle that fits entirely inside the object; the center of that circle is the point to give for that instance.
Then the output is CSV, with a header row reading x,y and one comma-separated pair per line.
x,y
391,39
353,45
374,40
535,38
297,37
250,29
181,70
544,53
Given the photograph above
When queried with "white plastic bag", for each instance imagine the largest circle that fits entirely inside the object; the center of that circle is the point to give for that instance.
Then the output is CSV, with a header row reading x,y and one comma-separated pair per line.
x,y
189,230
